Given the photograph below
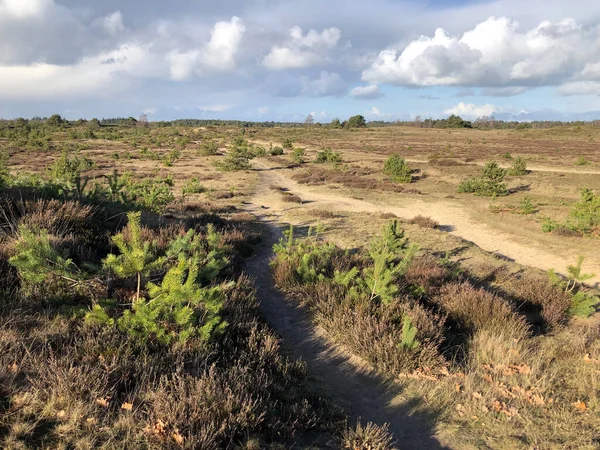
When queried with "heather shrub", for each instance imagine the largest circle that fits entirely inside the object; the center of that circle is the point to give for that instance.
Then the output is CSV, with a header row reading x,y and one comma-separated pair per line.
x,y
477,309
369,436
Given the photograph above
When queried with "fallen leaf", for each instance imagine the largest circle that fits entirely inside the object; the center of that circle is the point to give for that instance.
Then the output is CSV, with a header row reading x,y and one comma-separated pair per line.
x,y
127,406
13,368
581,406
457,387
103,402
91,421
178,437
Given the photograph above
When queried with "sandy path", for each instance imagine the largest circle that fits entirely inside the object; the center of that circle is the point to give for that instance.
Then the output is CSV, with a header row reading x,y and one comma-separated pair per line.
x,y
454,218
343,376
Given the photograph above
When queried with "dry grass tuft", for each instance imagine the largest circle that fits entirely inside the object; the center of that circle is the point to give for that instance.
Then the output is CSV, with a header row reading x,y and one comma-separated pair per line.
x,y
424,222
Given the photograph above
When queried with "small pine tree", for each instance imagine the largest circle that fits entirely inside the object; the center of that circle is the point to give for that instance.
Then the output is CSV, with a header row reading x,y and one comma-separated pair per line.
x,y
178,309
409,335
397,168
36,260
518,168
137,257
391,257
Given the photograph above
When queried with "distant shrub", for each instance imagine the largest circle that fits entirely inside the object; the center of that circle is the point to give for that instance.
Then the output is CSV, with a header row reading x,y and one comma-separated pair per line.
x,y
291,198
585,214
328,156
298,155
397,168
518,168
357,121
424,222
287,143
276,151
582,161
208,148
192,186
489,184
238,158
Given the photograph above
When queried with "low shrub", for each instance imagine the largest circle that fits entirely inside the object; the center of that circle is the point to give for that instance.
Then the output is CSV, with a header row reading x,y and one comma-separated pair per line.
x,y
424,222
328,156
518,168
192,186
276,151
489,184
208,148
477,309
369,436
238,158
397,168
298,155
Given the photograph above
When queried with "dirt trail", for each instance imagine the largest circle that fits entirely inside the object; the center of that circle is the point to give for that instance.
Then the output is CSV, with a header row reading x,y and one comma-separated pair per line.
x,y
452,217
341,375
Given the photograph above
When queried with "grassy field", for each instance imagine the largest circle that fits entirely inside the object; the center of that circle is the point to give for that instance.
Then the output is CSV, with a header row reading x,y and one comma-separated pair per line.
x,y
470,286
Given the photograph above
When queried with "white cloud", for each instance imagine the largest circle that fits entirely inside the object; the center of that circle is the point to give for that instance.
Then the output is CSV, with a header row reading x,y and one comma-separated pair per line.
x,y
368,92
374,111
494,53
24,8
91,76
328,84
471,111
580,88
113,23
301,51
218,55
508,91
215,108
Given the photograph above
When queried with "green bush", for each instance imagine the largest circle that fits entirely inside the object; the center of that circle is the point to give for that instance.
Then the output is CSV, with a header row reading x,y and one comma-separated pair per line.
x,y
483,187
276,151
518,168
208,148
178,309
357,121
192,186
585,214
489,184
36,260
397,168
582,161
287,143
493,171
137,257
328,156
67,169
298,155
238,158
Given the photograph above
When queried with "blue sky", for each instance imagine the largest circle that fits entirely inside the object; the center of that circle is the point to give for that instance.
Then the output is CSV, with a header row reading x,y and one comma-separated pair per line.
x,y
281,60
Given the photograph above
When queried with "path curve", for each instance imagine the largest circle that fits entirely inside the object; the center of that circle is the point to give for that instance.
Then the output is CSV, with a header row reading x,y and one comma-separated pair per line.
x,y
359,390
458,222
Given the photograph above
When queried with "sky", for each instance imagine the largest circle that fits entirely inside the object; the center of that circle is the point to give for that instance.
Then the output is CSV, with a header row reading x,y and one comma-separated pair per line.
x,y
263,60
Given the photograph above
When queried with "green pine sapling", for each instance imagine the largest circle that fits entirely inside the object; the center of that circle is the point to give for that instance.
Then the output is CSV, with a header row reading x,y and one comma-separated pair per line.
x,y
137,257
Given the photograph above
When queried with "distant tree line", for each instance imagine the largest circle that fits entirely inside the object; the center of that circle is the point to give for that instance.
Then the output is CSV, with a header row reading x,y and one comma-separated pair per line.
x,y
357,121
